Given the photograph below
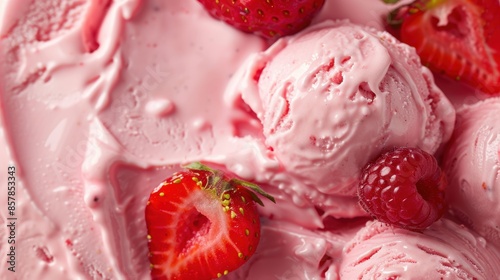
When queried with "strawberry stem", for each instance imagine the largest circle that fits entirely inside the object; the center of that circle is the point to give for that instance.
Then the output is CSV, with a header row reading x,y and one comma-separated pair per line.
x,y
198,166
391,1
218,182
255,189
396,17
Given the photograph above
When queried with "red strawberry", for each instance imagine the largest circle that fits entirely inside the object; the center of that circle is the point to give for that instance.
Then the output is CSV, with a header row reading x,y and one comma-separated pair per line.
x,y
459,38
269,18
201,225
404,187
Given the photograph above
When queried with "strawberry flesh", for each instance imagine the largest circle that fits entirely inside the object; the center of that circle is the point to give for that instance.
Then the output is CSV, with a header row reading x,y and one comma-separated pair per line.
x,y
459,38
192,227
201,225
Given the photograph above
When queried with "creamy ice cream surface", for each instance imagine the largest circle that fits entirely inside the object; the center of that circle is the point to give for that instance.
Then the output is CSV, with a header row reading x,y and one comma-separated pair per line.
x,y
291,252
101,100
335,96
445,250
472,163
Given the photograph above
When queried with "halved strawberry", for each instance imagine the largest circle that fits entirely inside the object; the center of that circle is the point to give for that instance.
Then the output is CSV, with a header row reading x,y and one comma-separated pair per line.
x,y
269,18
459,38
201,224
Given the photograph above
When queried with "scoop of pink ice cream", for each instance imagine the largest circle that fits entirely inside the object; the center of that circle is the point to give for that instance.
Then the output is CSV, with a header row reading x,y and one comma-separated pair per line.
x,y
334,96
445,250
472,162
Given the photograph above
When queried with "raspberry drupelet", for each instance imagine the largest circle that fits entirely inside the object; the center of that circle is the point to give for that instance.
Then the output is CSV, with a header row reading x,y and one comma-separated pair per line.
x,y
404,187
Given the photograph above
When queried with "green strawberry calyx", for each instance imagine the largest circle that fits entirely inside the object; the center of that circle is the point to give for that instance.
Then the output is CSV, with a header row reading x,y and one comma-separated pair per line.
x,y
220,183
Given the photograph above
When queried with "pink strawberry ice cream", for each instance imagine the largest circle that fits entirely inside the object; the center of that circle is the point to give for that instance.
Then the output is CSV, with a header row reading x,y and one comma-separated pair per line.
x,y
335,96
445,250
101,100
91,132
294,253
472,163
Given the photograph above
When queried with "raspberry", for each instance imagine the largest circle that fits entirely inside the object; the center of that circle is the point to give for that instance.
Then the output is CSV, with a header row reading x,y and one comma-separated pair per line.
x,y
404,187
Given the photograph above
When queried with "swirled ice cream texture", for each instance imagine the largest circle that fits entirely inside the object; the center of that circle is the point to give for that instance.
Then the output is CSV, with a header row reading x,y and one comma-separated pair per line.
x,y
95,112
446,250
335,96
472,163
101,100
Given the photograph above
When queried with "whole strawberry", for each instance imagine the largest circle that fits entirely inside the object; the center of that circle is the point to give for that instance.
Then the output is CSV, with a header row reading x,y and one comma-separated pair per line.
x,y
201,224
404,187
266,18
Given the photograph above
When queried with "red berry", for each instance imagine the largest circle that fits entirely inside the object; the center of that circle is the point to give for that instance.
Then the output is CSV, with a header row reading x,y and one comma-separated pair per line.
x,y
404,187
201,224
459,38
269,18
